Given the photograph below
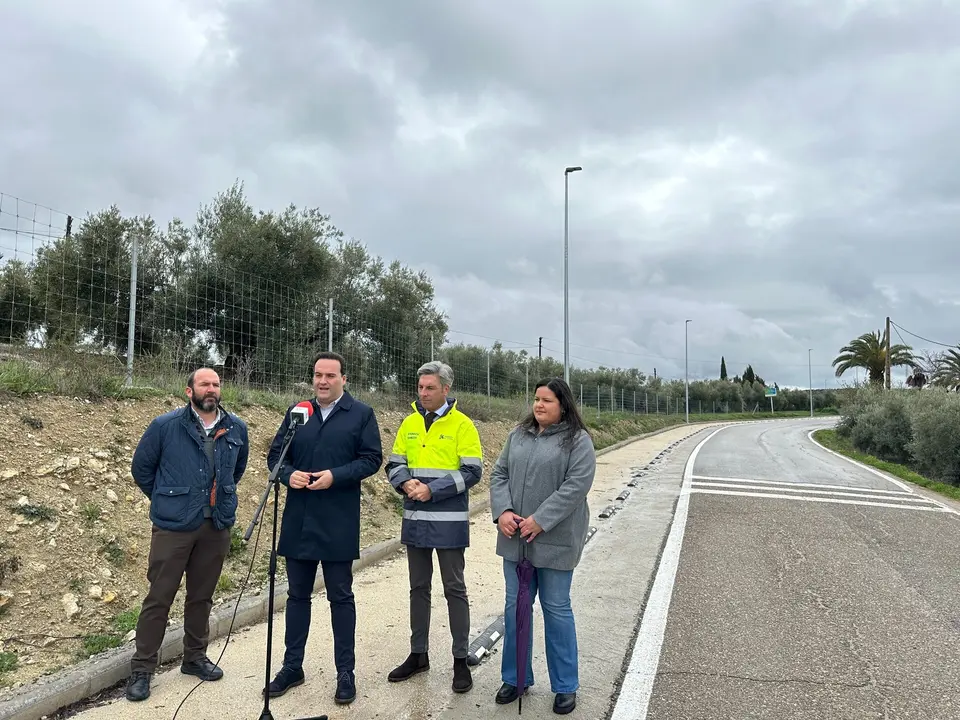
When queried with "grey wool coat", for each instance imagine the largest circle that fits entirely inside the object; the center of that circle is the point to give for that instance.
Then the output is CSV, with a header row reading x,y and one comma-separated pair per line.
x,y
535,475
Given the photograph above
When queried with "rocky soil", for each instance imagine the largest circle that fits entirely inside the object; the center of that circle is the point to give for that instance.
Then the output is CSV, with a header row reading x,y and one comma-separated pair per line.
x,y
75,529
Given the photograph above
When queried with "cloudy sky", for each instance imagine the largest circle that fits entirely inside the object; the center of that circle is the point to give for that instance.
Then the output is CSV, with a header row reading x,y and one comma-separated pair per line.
x,y
783,173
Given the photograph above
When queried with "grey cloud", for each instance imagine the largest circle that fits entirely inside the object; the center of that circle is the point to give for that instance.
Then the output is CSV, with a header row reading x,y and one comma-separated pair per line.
x,y
762,168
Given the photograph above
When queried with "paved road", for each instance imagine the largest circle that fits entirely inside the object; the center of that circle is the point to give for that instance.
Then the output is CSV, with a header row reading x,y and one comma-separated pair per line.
x,y
802,586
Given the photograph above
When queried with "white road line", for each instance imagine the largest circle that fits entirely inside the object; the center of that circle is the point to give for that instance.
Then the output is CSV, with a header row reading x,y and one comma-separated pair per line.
x,y
798,484
634,696
768,490
932,507
874,471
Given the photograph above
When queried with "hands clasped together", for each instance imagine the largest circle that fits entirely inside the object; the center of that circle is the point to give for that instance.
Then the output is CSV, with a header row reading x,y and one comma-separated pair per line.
x,y
417,490
311,481
509,522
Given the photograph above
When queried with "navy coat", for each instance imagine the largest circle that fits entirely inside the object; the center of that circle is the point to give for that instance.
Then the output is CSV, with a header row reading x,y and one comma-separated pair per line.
x,y
172,469
325,524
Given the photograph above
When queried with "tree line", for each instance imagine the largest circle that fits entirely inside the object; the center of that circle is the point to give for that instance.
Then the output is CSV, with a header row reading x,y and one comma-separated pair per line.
x,y
248,290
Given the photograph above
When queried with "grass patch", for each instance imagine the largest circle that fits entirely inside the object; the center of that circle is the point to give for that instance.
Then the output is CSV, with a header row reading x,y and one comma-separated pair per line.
x,y
90,513
225,583
8,662
830,439
127,620
237,546
35,512
99,642
114,552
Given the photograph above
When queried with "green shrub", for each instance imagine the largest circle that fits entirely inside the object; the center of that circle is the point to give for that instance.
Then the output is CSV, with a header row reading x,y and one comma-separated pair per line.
x,y
884,430
935,447
918,429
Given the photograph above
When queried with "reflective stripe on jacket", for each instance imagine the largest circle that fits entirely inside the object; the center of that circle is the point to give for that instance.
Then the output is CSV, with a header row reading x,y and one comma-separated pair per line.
x,y
449,459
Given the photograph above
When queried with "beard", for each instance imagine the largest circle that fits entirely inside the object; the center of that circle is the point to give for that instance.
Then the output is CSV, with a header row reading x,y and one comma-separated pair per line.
x,y
205,404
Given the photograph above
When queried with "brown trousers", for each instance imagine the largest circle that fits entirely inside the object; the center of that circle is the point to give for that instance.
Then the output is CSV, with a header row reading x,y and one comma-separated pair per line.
x,y
200,553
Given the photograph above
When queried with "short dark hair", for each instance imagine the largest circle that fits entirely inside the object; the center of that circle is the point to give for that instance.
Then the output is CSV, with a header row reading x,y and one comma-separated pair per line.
x,y
329,355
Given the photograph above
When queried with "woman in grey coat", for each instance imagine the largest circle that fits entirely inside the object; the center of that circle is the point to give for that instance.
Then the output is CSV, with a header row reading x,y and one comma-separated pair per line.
x,y
538,497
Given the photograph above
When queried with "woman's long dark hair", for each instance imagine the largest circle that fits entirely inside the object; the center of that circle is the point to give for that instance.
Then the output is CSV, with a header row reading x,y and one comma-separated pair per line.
x,y
569,412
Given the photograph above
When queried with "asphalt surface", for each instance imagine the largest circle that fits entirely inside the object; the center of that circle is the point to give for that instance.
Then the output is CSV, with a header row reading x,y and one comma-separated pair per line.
x,y
837,601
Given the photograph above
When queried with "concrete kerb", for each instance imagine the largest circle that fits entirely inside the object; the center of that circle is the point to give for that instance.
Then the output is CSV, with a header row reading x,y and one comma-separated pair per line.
x,y
47,696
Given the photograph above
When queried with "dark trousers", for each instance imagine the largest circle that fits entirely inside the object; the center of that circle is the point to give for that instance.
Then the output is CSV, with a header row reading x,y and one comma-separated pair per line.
x,y
420,565
338,579
200,554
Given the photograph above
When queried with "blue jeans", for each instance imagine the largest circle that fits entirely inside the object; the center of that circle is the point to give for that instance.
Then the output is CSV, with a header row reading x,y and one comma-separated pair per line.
x,y
560,630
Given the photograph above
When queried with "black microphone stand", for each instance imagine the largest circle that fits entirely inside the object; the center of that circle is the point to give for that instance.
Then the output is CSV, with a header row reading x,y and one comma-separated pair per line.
x,y
265,714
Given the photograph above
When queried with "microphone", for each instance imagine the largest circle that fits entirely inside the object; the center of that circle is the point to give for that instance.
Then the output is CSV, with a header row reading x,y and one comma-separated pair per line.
x,y
301,412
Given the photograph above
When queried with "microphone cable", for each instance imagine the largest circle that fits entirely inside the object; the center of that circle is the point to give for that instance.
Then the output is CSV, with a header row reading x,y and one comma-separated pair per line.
x,y
236,608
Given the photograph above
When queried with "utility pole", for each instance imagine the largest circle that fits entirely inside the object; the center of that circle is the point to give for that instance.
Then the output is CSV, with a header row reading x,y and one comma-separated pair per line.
x,y
887,358
540,349
566,272
810,371
686,372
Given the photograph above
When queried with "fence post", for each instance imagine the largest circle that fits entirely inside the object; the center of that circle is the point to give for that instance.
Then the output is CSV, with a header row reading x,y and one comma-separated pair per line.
x,y
330,325
131,330
488,378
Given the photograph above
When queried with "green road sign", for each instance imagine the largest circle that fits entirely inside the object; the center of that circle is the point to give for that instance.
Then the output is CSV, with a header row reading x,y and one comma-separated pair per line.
x,y
771,392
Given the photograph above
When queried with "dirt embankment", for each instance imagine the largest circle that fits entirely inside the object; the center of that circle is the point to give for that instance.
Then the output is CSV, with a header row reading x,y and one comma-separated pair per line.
x,y
75,529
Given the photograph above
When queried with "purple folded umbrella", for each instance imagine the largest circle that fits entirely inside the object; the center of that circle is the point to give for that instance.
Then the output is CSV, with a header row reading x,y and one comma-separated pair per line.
x,y
525,572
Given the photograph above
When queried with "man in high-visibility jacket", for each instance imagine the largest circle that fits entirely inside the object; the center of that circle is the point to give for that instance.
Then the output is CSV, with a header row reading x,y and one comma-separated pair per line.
x,y
437,458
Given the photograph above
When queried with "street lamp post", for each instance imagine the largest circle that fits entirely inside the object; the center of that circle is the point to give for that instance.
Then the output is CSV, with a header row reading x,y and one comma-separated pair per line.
x,y
566,272
686,369
810,372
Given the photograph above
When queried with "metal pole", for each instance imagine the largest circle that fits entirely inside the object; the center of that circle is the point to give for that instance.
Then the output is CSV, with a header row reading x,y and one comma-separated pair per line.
x,y
581,396
686,377
488,376
133,313
432,358
330,325
528,381
810,371
566,272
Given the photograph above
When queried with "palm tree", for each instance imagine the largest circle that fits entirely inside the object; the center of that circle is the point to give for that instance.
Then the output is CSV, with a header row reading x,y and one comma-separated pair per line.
x,y
868,352
947,373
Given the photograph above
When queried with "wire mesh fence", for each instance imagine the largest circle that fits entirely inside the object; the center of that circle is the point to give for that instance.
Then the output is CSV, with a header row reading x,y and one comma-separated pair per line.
x,y
117,303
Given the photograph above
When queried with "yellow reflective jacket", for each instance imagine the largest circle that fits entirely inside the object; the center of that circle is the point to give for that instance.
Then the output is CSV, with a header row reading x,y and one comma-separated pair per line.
x,y
448,458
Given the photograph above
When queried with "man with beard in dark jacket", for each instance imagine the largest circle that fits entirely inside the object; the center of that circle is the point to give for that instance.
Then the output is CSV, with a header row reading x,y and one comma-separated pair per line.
x,y
330,455
188,462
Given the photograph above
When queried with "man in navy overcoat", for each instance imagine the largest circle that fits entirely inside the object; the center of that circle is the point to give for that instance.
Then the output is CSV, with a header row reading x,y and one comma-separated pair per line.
x,y
330,455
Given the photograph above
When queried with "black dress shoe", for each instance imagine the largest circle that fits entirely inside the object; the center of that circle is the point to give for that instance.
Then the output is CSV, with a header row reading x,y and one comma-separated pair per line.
x,y
564,703
285,679
415,663
462,678
138,686
346,688
203,668
507,694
